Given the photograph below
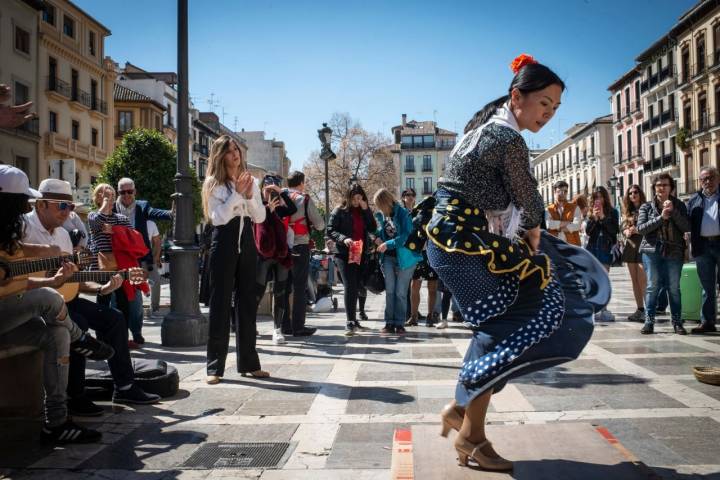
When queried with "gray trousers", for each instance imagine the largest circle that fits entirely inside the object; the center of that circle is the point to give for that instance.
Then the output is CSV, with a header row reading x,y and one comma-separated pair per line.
x,y
155,284
23,325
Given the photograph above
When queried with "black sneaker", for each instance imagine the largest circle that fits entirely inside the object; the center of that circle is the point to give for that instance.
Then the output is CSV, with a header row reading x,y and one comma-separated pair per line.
x,y
304,332
139,339
84,407
363,315
134,395
679,329
432,319
389,329
648,328
69,432
350,330
89,347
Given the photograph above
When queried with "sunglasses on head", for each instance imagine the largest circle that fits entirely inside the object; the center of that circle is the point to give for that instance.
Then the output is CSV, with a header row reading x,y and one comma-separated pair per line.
x,y
126,192
63,205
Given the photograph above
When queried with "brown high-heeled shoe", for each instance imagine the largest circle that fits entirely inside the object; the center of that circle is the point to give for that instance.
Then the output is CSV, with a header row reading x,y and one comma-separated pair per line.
x,y
256,374
451,419
467,450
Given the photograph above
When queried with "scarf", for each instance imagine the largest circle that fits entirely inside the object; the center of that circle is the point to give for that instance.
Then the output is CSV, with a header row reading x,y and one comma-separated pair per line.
x,y
501,222
128,211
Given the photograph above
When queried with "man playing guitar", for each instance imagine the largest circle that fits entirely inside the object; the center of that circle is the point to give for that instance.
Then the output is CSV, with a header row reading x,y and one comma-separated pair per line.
x,y
45,225
39,317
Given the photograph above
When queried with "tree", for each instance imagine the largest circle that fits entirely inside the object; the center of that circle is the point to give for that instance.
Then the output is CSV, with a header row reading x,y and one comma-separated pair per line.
x,y
149,158
361,156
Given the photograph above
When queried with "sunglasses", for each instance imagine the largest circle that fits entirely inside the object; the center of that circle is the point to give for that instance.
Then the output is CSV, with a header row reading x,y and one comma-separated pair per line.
x,y
634,192
126,192
63,205
707,179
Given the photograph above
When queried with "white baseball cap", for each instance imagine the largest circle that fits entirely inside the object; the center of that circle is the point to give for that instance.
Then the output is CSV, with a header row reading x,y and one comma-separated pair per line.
x,y
14,180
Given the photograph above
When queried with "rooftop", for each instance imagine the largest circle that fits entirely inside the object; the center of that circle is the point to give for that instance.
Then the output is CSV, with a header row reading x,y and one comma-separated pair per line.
x,y
125,94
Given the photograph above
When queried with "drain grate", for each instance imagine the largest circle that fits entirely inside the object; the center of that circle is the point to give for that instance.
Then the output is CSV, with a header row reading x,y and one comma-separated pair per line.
x,y
238,455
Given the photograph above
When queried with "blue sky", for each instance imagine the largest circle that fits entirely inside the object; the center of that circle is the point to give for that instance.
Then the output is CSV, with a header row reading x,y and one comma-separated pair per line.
x,y
286,66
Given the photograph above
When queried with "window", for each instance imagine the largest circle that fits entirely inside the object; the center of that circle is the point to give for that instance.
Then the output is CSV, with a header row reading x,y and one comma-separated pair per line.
x,y
74,94
618,111
627,100
125,121
48,14
409,163
53,121
22,40
94,137
716,43
636,105
685,61
628,138
91,43
93,95
23,163
22,93
619,149
75,130
592,146
630,179
68,26
410,183
427,185
700,53
638,139
427,163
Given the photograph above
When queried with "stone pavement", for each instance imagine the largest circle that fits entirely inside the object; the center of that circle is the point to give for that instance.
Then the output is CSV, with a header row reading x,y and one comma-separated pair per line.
x,y
333,404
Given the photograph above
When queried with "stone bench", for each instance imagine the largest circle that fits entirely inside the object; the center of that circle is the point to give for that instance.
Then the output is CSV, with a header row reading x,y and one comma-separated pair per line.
x,y
21,386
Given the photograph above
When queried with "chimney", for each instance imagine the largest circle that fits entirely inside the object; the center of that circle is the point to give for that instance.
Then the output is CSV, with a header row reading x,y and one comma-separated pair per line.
x,y
404,119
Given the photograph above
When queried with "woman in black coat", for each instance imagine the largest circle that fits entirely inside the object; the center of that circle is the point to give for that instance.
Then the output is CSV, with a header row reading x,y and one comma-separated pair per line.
x,y
351,221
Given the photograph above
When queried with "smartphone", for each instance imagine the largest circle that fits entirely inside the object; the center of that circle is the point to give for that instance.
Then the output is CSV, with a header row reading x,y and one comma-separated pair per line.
x,y
598,203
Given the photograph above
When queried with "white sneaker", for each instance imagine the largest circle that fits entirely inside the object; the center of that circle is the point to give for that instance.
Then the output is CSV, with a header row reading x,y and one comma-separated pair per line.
x,y
278,337
441,324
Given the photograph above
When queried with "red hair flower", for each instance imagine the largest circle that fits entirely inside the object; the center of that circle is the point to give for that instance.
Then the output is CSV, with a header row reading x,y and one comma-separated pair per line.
x,y
520,61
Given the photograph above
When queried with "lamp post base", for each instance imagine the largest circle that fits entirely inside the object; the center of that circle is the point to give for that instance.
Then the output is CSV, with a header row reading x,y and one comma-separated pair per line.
x,y
184,325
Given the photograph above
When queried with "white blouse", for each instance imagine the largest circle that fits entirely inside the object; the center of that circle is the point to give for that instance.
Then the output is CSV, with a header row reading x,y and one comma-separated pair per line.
x,y
226,203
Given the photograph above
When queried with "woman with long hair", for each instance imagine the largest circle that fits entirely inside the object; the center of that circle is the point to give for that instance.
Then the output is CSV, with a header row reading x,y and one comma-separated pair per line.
x,y
522,292
631,203
352,221
602,227
398,262
231,201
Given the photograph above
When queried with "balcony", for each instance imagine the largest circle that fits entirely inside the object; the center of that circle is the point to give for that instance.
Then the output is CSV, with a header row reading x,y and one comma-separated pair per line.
x,y
409,168
30,129
687,187
445,145
644,86
120,132
667,116
201,149
427,168
59,87
73,148
169,122
416,146
698,70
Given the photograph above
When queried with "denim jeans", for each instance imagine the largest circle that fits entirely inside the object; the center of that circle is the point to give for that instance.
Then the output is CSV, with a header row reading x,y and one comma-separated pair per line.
x,y
660,272
708,265
397,283
23,326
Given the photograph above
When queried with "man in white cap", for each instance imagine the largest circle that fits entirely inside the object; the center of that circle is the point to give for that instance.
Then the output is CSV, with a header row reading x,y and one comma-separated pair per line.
x,y
44,225
39,317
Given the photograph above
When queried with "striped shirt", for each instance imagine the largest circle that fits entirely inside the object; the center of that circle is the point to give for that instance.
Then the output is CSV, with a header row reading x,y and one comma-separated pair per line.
x,y
100,241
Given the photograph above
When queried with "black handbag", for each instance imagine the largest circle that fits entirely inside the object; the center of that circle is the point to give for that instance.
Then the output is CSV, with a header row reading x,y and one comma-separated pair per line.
x,y
616,254
374,281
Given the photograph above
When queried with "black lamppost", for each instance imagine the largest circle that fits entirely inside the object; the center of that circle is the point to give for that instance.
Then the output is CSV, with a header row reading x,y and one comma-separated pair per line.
x,y
612,183
184,325
326,154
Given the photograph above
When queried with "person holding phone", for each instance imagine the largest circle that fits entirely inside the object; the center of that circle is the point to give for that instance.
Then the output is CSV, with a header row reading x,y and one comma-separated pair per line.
x,y
602,228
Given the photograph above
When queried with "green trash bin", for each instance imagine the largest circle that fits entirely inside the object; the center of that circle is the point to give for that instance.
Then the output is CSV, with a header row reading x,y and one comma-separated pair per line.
x,y
691,292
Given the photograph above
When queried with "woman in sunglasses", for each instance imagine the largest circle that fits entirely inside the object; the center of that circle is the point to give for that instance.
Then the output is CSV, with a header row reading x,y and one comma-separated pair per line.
x,y
631,203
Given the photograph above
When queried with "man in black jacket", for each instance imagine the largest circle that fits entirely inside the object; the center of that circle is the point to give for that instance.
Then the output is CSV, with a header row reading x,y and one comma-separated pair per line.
x,y
663,222
704,211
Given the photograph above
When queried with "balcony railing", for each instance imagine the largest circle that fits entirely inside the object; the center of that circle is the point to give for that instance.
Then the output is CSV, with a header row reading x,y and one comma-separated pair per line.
x,y
418,145
409,168
667,116
427,168
201,149
54,84
688,187
31,127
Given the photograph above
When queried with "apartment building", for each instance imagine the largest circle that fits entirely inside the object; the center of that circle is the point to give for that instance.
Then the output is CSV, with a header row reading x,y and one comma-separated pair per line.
x,y
135,110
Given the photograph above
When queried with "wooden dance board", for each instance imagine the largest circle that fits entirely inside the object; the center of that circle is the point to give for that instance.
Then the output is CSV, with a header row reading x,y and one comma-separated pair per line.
x,y
541,452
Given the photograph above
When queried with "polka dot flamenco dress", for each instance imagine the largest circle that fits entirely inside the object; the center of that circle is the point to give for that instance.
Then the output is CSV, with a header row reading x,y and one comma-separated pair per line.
x,y
527,311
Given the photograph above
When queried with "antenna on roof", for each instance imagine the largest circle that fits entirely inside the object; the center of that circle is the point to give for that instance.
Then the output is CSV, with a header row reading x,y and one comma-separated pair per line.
x,y
212,103
235,124
435,117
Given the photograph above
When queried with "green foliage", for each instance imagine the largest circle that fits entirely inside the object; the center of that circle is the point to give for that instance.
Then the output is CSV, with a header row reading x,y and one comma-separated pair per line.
x,y
149,158
319,236
682,137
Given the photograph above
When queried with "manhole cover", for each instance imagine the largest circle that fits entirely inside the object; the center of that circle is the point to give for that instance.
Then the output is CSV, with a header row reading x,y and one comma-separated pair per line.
x,y
238,455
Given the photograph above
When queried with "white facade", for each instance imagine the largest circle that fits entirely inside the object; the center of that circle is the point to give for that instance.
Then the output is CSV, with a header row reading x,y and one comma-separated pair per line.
x,y
584,159
267,154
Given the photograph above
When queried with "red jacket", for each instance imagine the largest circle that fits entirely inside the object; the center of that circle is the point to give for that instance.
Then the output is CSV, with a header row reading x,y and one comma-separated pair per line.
x,y
127,246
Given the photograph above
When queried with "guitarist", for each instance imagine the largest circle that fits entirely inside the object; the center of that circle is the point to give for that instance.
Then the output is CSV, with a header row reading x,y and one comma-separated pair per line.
x,y
45,225
39,316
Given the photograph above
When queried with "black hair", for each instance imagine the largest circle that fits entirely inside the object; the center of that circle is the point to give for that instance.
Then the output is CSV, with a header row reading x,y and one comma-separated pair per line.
x,y
560,184
408,191
664,176
295,179
354,189
529,78
11,220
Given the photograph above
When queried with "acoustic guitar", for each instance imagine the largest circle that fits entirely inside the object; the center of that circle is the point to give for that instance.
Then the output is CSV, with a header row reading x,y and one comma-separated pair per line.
x,y
18,268
70,289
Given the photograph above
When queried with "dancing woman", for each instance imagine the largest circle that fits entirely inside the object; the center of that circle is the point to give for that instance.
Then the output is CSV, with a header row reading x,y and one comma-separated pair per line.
x,y
231,201
528,310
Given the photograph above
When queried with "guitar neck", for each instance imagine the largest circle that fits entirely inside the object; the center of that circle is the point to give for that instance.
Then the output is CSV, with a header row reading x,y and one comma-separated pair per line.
x,y
24,267
97,276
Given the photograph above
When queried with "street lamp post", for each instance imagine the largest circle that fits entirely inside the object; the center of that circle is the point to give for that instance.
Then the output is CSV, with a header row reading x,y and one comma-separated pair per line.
x,y
326,154
184,325
612,183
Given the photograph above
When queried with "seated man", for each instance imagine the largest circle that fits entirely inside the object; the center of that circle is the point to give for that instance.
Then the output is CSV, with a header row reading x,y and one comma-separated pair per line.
x,y
38,317
44,225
